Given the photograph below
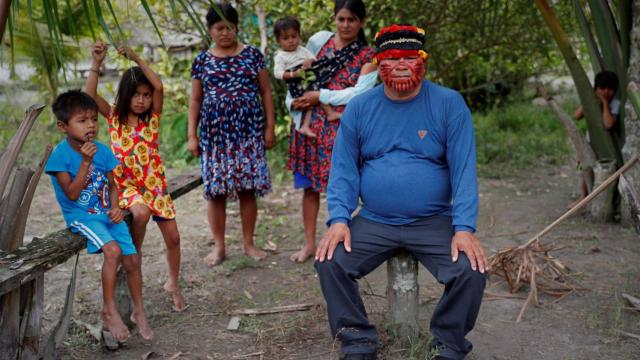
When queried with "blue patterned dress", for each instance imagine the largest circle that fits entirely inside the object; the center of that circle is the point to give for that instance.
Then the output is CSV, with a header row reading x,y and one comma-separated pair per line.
x,y
232,123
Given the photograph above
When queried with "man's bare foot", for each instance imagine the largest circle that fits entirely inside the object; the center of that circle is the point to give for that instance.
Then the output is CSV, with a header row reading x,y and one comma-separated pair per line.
x,y
303,254
333,115
140,319
254,252
574,203
173,289
215,257
305,130
113,322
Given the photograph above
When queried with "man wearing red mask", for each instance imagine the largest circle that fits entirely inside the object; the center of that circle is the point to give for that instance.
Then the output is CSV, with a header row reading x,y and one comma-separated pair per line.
x,y
406,149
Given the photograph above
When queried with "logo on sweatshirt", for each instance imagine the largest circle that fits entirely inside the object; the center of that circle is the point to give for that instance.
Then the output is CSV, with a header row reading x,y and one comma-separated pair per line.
x,y
422,134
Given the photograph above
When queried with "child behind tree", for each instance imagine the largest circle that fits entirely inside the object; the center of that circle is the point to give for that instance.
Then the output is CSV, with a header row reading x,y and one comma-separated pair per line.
x,y
605,87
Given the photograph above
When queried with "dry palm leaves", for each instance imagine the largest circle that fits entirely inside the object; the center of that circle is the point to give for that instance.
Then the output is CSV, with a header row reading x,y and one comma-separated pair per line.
x,y
530,264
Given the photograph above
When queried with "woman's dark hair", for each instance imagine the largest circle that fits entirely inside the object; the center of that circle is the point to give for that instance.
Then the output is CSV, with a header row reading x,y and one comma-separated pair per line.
x,y
284,24
131,79
357,8
229,12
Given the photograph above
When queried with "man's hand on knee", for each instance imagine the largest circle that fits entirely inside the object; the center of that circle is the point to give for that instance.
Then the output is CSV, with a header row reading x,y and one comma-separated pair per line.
x,y
336,233
469,244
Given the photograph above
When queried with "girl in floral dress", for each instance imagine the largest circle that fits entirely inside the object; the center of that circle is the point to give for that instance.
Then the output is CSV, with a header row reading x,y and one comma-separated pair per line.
x,y
134,124
231,102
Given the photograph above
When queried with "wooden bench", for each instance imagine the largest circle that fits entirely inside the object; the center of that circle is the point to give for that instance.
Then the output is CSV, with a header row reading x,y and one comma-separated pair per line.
x,y
24,269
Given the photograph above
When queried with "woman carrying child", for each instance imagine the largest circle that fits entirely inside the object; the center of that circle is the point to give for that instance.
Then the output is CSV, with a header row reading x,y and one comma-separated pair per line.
x,y
346,60
134,124
231,102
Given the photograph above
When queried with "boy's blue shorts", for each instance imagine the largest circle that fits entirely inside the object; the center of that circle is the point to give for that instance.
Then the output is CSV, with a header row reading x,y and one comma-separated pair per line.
x,y
99,232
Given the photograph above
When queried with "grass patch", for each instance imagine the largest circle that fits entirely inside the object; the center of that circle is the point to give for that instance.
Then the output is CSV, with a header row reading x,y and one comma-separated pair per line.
x,y
517,136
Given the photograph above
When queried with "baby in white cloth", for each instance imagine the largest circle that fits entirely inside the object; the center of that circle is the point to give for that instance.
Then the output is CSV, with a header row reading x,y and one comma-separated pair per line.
x,y
291,61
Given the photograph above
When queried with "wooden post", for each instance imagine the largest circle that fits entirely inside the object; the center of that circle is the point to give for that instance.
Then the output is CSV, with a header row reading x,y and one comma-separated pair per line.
x,y
601,208
10,302
31,319
123,298
402,295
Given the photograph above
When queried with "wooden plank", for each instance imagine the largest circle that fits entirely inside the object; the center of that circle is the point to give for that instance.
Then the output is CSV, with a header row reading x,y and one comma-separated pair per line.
x,y
11,154
39,256
9,331
11,206
184,183
43,254
60,330
32,319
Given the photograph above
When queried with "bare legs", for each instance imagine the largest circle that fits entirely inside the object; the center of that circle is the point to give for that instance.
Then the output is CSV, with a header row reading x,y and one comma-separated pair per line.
x,y
112,320
217,219
217,216
249,214
132,265
169,230
310,207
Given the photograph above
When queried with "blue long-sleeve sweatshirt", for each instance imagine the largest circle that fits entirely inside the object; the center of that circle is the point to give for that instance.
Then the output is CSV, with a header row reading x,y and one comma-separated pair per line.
x,y
405,159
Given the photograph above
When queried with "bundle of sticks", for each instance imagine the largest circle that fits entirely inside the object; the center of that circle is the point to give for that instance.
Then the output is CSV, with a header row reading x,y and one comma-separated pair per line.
x,y
531,264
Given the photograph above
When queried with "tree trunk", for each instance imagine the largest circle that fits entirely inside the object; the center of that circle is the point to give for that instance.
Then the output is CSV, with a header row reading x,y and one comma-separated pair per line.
x,y
601,208
632,121
402,296
5,7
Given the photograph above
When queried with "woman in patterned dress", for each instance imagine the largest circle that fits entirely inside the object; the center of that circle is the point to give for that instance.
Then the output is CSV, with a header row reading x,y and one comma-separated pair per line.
x,y
231,101
134,124
310,158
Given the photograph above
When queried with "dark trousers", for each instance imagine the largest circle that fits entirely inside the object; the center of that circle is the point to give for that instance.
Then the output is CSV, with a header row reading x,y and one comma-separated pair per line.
x,y
372,243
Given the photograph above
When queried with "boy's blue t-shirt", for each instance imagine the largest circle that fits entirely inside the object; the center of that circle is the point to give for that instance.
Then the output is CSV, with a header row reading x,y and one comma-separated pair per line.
x,y
94,198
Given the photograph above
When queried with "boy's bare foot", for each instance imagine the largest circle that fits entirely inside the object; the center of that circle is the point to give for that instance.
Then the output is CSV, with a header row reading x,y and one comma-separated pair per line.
x,y
113,322
140,319
254,252
333,115
173,289
303,254
305,130
215,257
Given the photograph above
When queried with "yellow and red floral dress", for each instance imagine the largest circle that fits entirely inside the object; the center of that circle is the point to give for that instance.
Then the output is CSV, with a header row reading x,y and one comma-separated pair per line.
x,y
140,175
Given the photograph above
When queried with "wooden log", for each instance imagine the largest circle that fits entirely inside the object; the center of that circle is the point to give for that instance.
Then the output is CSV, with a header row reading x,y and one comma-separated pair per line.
x,y
37,257
601,208
402,296
31,319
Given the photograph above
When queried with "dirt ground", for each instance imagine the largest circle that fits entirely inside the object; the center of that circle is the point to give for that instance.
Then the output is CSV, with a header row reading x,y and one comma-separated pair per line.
x,y
580,326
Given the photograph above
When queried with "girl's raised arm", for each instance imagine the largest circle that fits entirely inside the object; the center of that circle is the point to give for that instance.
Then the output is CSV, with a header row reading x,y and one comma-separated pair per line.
x,y
154,79
98,52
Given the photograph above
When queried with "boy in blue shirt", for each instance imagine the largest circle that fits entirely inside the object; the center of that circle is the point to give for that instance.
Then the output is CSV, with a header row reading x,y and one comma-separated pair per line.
x,y
82,178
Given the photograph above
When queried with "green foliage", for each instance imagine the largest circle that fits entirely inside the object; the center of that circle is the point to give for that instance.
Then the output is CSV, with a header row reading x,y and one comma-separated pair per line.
x,y
516,136
485,50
